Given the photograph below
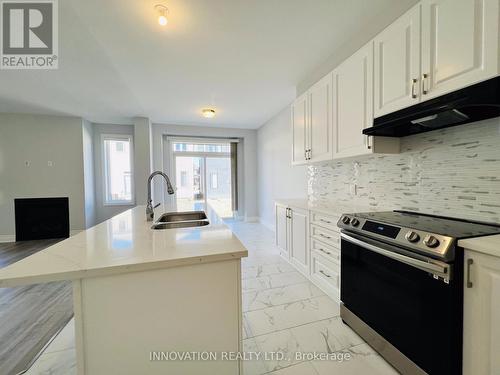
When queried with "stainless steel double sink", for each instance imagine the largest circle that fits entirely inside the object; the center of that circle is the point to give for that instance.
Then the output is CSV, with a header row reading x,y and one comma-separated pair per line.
x,y
189,219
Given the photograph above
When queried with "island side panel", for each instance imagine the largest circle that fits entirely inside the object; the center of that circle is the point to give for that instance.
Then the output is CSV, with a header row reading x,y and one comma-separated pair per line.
x,y
77,309
194,308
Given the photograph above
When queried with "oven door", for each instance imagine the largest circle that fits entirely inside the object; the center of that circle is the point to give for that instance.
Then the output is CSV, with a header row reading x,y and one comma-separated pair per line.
x,y
397,295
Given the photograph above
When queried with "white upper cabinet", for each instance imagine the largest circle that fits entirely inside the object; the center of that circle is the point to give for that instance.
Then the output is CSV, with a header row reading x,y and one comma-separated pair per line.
x,y
397,64
459,44
320,120
353,102
299,129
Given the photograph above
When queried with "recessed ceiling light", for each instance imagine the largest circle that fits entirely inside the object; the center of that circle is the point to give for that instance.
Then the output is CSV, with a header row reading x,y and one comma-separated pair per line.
x,y
162,11
208,112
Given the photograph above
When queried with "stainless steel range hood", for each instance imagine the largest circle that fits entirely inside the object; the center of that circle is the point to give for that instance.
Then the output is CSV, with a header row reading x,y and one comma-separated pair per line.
x,y
478,102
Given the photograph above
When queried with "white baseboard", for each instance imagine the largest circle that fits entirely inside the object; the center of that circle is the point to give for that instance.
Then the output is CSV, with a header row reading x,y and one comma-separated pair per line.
x,y
7,238
73,232
252,219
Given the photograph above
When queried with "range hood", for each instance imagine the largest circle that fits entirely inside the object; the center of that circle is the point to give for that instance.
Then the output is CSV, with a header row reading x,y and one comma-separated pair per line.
x,y
477,102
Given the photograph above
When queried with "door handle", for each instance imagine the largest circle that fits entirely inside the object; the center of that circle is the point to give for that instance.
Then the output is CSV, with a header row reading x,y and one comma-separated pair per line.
x,y
424,78
324,273
413,93
470,262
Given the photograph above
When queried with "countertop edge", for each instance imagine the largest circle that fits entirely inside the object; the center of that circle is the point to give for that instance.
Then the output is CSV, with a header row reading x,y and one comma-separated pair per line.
x,y
121,269
489,245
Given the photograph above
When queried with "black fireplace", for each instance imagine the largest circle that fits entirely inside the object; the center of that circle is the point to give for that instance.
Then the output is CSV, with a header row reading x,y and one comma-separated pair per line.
x,y
41,218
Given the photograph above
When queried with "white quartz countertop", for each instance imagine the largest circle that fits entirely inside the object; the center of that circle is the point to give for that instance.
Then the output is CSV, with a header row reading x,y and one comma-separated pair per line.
x,y
488,244
126,243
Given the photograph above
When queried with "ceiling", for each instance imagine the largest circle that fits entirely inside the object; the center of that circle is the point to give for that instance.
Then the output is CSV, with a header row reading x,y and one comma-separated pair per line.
x,y
242,57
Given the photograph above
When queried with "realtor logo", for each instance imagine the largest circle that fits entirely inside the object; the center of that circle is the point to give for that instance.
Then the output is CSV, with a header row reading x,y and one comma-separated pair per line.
x,y
29,34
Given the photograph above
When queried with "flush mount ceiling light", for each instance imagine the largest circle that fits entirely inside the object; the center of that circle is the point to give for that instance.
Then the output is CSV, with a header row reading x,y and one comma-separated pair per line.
x,y
162,11
208,112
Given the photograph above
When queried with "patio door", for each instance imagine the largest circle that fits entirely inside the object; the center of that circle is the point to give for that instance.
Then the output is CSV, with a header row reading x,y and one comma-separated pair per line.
x,y
203,176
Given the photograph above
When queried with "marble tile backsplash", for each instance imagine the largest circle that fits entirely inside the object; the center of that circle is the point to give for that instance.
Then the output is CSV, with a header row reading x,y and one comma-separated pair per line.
x,y
453,172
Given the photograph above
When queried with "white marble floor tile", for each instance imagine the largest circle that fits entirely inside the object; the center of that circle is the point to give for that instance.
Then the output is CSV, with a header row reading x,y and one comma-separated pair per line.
x,y
303,368
262,299
291,315
326,336
364,361
279,349
286,278
266,269
255,284
64,340
254,366
62,362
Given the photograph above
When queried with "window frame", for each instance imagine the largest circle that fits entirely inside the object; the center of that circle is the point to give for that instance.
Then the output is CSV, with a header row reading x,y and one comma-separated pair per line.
x,y
105,167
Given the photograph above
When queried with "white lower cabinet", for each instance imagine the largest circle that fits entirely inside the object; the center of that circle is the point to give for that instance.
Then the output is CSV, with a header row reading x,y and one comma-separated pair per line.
x,y
281,213
310,241
292,236
299,256
326,275
481,314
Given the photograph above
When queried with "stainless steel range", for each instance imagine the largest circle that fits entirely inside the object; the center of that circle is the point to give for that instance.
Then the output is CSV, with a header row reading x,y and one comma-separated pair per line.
x,y
402,279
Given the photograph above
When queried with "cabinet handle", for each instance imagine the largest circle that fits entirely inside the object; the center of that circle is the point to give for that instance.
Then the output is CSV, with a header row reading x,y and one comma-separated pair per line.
x,y
413,93
424,78
323,250
325,221
469,264
325,236
324,273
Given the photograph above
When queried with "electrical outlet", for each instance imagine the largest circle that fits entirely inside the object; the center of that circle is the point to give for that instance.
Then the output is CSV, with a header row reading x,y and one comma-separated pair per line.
x,y
50,163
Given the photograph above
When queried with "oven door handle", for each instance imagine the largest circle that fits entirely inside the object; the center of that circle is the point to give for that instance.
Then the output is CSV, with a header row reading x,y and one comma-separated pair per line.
x,y
439,269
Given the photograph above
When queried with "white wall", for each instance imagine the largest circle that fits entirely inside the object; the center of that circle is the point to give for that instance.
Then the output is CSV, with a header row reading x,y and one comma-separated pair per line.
x,y
38,140
276,176
88,173
142,157
247,160
104,212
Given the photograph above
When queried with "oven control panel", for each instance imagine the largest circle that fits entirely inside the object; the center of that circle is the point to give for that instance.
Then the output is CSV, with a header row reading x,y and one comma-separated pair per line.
x,y
436,245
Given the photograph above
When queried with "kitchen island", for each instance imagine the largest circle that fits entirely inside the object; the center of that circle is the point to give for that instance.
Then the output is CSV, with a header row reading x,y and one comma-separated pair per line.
x,y
139,292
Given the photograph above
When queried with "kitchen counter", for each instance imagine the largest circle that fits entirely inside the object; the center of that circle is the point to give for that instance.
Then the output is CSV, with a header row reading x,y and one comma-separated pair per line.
x,y
137,290
488,245
125,243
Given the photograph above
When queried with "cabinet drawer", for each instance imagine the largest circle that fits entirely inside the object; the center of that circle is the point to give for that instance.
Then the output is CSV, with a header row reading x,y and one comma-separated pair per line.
x,y
325,221
327,236
326,275
327,251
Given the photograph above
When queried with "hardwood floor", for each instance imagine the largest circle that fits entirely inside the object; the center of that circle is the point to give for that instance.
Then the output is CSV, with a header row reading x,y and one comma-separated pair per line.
x,y
30,315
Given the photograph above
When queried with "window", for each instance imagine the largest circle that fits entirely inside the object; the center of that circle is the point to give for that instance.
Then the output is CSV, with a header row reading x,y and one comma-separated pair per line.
x,y
117,168
184,178
214,180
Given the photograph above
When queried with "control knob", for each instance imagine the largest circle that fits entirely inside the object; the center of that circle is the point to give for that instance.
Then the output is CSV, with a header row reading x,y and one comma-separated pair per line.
x,y
346,220
412,236
354,222
431,241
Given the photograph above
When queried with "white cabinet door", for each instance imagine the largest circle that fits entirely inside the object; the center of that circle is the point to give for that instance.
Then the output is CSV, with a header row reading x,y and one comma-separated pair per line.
x,y
299,130
320,120
481,315
397,64
459,44
282,228
353,102
299,255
